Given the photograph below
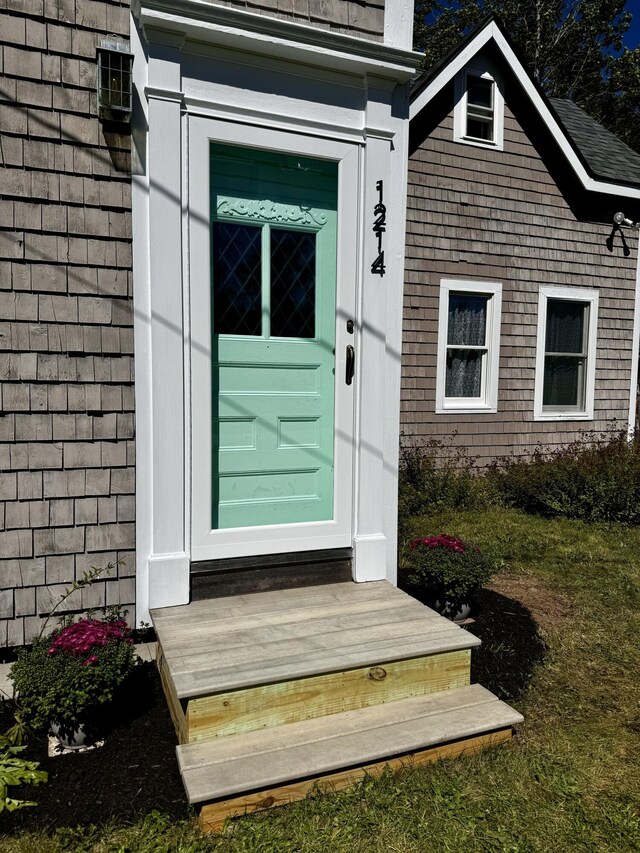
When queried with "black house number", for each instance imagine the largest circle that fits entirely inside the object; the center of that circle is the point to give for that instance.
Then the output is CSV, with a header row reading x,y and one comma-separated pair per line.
x,y
379,227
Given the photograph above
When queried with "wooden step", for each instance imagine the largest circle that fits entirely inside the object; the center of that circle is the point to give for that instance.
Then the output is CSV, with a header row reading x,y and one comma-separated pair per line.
x,y
260,761
256,661
227,644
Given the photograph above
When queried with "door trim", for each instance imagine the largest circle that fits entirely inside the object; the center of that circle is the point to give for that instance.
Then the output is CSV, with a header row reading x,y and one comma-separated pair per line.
x,y
208,544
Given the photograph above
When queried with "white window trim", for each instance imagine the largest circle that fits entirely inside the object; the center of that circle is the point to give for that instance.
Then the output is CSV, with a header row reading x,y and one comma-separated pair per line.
x,y
460,109
488,402
573,294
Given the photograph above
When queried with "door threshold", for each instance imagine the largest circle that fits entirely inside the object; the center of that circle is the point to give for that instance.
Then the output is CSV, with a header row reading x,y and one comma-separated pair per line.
x,y
242,575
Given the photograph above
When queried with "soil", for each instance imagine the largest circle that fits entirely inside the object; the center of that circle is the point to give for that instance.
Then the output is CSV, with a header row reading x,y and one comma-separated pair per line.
x,y
136,771
512,646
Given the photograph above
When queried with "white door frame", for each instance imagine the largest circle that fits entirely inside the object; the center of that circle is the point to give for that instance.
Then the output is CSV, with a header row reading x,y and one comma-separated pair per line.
x,y
258,73
208,544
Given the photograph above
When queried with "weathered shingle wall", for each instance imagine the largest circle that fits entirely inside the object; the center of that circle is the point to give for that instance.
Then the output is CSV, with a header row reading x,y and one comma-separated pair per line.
x,y
479,214
66,336
362,18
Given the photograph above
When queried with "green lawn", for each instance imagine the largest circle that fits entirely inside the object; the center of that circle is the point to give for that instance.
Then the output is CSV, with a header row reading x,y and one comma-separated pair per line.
x,y
570,781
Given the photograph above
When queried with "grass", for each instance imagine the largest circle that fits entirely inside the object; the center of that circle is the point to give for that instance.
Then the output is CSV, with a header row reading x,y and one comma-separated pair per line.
x,y
569,782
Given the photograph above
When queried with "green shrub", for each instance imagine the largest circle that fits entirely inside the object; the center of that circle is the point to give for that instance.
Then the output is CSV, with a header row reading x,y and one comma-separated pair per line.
x,y
590,482
15,771
439,475
68,677
444,572
596,478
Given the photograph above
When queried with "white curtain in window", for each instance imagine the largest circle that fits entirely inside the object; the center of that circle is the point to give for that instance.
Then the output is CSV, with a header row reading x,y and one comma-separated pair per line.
x,y
464,373
467,324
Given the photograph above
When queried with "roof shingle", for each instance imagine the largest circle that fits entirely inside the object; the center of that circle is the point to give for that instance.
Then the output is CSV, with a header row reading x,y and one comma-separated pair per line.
x,y
605,156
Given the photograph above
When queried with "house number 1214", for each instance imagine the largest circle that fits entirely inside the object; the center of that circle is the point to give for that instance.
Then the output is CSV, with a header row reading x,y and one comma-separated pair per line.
x,y
379,227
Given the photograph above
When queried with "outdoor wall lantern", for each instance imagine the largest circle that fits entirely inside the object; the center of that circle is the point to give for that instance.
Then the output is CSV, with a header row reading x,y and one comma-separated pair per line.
x,y
114,79
620,219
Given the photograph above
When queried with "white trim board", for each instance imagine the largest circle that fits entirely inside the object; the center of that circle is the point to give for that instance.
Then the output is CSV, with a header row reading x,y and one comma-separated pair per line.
x,y
635,350
287,39
491,32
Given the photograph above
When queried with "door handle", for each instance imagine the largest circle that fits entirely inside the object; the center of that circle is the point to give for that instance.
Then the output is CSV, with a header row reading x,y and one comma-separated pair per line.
x,y
351,364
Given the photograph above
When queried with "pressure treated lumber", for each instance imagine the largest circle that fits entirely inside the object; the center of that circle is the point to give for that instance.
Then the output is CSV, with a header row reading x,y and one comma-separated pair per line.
x,y
264,759
213,815
249,640
235,712
176,710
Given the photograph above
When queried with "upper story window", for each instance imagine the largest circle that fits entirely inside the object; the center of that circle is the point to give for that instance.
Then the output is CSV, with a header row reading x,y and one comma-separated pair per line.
x,y
479,107
468,346
566,353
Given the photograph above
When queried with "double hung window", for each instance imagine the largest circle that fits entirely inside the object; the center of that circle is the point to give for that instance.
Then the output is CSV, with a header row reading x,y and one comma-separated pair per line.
x,y
468,346
479,108
565,360
480,115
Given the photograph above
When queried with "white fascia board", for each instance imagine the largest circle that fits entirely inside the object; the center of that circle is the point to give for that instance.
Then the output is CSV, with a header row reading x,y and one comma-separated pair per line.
x,y
490,32
280,38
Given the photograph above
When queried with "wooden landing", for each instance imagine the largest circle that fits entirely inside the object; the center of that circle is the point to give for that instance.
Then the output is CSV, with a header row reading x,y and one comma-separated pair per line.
x,y
227,644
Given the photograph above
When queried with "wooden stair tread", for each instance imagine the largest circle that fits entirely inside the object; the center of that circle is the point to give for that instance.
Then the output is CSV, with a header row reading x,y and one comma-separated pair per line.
x,y
260,759
244,641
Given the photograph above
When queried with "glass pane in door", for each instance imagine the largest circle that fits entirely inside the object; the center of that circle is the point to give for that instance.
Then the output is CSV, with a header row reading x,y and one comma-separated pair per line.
x,y
237,279
293,284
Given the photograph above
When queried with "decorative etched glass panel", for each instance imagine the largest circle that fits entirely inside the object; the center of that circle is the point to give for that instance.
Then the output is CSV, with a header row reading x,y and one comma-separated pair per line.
x,y
467,319
464,373
293,284
237,279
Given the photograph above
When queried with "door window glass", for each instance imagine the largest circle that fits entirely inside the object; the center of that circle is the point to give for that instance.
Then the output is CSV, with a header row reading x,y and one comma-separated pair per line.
x,y
237,279
293,284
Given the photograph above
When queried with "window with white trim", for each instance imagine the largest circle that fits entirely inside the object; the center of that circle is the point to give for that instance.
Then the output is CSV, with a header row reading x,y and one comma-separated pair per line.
x,y
468,346
566,353
479,109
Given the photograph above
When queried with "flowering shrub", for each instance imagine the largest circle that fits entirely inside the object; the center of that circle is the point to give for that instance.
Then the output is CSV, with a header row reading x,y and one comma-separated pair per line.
x,y
88,634
68,677
444,572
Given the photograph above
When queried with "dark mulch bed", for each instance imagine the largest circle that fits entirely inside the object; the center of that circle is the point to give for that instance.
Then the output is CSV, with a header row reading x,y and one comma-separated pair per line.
x,y
134,773
511,647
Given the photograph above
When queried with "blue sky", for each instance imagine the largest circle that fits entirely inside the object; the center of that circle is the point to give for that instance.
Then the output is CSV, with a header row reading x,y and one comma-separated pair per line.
x,y
632,38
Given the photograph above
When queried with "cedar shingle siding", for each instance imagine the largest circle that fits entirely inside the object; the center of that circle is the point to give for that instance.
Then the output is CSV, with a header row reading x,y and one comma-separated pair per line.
x,y
363,18
66,337
500,216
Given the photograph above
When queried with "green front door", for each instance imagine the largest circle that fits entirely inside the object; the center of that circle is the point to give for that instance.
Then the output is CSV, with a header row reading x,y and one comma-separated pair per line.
x,y
273,241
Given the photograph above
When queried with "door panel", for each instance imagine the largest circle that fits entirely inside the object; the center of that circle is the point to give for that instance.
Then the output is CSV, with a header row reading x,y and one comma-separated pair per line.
x,y
273,250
